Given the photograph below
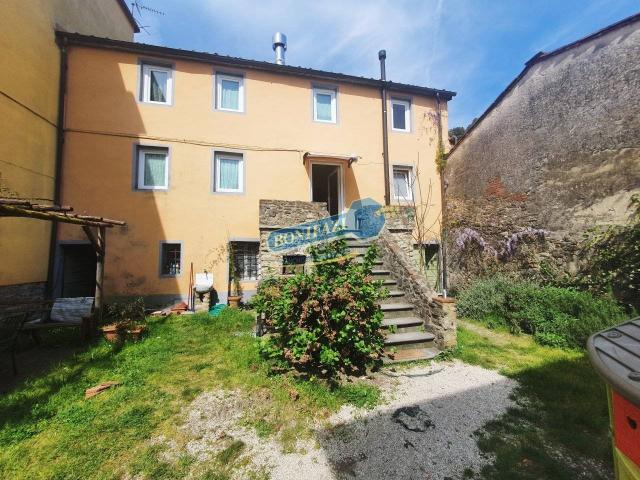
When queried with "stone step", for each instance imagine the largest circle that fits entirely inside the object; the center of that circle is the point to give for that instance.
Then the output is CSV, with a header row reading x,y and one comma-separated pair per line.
x,y
393,309
379,273
388,282
409,339
387,306
410,354
395,297
403,324
376,263
395,293
357,249
356,242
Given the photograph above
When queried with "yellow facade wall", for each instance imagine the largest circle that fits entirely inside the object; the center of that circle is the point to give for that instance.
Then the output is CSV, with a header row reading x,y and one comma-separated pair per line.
x,y
29,110
105,121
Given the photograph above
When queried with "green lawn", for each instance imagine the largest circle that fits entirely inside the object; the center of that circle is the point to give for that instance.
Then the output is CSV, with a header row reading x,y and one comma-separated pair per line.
x,y
48,430
559,430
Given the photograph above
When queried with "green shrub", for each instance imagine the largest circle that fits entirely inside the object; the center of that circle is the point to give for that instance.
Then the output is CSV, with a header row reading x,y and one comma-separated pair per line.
x,y
325,321
611,259
560,317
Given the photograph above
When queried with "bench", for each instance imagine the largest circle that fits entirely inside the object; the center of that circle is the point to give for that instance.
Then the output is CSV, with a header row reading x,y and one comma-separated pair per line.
x,y
63,313
35,317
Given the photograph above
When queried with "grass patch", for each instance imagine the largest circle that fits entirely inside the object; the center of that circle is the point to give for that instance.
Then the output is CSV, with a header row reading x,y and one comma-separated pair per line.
x,y
48,430
559,428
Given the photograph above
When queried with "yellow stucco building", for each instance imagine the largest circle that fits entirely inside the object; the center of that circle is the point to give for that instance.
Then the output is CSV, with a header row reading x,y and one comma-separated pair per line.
x,y
29,108
184,145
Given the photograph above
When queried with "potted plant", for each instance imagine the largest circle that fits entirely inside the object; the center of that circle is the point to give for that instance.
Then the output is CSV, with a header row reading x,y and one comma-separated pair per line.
x,y
127,319
235,289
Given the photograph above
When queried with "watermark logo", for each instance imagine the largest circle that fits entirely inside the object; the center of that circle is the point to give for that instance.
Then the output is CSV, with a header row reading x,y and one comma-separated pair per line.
x,y
363,220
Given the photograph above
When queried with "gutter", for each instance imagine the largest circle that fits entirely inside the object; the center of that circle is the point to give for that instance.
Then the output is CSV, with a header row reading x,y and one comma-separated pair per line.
x,y
443,205
382,55
57,185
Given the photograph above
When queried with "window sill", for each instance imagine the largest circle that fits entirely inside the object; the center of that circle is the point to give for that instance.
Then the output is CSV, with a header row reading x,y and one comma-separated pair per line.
x,y
227,110
218,192
157,104
403,199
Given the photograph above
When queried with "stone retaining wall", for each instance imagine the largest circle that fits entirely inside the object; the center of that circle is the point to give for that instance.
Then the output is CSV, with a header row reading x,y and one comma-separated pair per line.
x,y
276,214
403,268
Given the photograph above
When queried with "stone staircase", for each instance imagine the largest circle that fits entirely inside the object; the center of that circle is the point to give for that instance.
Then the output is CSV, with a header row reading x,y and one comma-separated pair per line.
x,y
405,336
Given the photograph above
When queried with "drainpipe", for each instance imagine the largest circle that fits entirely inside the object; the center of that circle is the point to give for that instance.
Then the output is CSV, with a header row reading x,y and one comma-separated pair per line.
x,y
382,55
57,181
443,243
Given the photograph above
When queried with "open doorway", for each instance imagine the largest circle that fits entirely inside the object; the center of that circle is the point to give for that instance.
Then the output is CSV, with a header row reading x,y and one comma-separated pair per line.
x,y
326,186
78,271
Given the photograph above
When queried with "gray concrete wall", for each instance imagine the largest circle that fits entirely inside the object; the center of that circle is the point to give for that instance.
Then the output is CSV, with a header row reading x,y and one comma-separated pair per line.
x,y
560,152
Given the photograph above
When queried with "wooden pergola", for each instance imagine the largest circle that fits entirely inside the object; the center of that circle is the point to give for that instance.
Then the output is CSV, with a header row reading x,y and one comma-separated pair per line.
x,y
95,228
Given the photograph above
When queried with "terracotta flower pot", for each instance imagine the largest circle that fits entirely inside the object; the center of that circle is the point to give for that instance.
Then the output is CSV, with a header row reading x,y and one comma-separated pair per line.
x,y
112,333
136,332
234,301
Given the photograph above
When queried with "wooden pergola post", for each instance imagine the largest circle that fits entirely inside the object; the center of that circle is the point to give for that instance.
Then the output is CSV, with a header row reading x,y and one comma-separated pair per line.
x,y
99,297
99,246
19,207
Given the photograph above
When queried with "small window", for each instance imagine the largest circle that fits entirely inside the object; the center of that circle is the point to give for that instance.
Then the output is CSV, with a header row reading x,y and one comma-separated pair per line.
x,y
246,259
402,179
229,173
170,259
324,105
157,84
401,114
292,264
153,169
230,93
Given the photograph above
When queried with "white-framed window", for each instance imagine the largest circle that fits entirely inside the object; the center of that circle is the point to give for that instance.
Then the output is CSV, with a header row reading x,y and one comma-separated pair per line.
x,y
153,168
229,93
170,259
401,115
324,105
157,84
228,173
402,183
246,259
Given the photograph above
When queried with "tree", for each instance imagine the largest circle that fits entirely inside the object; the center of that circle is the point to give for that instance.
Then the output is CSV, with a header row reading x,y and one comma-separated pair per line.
x,y
457,132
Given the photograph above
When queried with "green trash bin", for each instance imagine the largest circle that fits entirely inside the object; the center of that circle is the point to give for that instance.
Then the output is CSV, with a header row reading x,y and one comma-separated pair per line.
x,y
615,354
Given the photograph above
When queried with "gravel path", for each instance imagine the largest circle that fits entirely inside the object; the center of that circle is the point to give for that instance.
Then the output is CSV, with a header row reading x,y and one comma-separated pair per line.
x,y
423,430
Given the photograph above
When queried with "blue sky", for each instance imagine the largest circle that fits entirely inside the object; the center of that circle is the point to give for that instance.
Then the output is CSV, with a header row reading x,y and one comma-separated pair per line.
x,y
473,47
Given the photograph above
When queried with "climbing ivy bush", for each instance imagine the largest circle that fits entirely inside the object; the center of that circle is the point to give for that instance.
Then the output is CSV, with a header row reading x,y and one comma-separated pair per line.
x,y
559,317
326,321
610,259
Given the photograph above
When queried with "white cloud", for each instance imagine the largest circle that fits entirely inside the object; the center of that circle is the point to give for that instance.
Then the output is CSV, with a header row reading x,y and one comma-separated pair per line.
x,y
334,34
474,47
